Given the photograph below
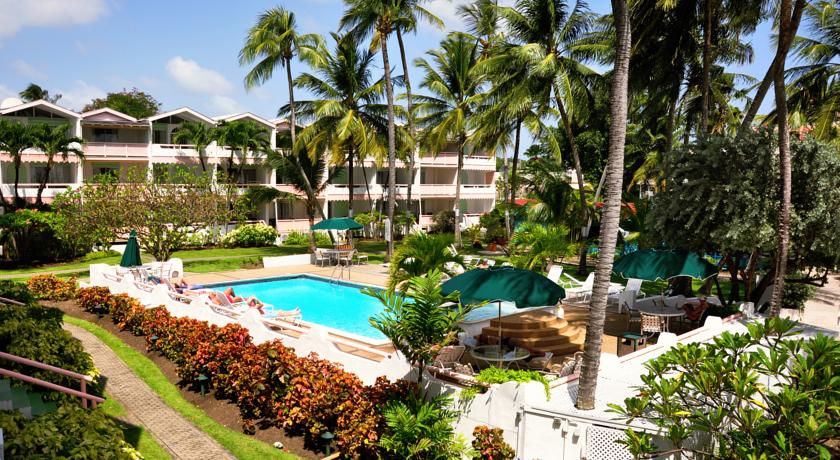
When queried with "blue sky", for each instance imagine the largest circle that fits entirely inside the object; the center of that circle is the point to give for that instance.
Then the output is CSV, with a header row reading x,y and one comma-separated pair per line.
x,y
182,52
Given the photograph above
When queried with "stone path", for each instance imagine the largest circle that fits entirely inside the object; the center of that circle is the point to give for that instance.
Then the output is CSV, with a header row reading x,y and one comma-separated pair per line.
x,y
180,438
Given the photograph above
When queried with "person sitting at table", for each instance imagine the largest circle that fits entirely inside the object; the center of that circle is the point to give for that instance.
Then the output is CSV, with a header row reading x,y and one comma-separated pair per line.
x,y
695,311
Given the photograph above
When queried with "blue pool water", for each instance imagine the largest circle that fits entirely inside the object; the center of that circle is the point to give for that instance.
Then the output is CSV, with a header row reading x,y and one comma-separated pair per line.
x,y
338,305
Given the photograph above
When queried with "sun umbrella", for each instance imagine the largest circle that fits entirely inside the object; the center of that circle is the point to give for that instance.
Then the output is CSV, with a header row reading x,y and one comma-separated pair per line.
x,y
338,223
653,265
131,256
504,284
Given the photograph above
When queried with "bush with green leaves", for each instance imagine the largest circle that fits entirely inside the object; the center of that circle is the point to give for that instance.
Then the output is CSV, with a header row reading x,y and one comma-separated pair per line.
x,y
796,294
534,246
302,239
29,235
493,223
419,254
250,235
443,222
421,430
495,375
70,432
762,394
16,291
415,321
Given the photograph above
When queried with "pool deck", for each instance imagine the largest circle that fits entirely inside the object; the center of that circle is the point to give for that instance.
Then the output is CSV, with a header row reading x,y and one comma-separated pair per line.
x,y
374,274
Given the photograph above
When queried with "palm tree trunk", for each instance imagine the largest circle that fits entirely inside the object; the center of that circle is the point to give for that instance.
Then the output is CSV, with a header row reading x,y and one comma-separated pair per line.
x,y
584,212
707,65
506,191
786,35
367,187
350,180
44,180
201,155
392,148
411,130
461,142
513,170
612,208
17,177
761,92
310,192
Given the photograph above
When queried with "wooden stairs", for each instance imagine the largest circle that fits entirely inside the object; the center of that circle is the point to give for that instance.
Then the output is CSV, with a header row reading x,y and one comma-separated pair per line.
x,y
537,331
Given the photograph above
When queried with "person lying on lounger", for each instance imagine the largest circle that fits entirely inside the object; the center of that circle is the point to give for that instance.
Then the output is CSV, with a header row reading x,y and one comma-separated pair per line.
x,y
232,298
181,285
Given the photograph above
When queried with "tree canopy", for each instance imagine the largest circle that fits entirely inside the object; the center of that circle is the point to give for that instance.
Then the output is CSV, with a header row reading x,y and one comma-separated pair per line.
x,y
134,102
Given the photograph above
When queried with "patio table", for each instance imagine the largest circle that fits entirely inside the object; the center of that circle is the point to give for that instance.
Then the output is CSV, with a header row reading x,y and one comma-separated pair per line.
x,y
666,309
335,254
490,354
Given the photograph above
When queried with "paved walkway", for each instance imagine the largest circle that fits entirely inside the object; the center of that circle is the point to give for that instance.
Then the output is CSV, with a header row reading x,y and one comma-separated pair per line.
x,y
180,438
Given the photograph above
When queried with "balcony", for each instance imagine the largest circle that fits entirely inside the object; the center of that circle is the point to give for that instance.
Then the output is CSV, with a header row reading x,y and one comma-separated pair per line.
x,y
450,160
116,150
29,191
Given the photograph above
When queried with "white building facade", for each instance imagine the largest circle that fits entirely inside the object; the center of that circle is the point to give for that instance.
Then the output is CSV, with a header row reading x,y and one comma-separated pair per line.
x,y
116,142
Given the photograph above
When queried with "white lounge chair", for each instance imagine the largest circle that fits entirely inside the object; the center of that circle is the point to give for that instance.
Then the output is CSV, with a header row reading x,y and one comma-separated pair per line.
x,y
448,356
554,273
584,290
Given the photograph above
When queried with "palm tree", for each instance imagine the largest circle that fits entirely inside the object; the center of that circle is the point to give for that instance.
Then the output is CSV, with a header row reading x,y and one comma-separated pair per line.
x,y
611,211
546,32
244,136
534,245
420,254
546,181
14,139
198,135
34,92
379,18
54,141
274,41
347,116
455,89
482,20
412,12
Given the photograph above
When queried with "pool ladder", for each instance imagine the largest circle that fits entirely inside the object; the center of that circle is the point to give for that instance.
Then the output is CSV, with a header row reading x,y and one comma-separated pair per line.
x,y
340,267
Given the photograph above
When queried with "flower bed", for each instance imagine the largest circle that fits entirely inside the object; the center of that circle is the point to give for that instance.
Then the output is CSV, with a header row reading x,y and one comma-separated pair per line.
x,y
268,382
50,287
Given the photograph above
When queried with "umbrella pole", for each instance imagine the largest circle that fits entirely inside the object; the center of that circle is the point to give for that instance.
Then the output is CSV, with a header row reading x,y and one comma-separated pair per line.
x,y
500,333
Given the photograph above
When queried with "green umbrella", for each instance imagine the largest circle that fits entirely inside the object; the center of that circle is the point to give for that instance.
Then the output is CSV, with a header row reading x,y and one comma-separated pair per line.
x,y
653,265
504,284
131,256
338,223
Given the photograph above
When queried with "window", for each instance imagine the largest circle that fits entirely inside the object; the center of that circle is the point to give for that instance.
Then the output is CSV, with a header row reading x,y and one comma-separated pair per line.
x,y
382,177
40,172
104,135
285,210
249,176
158,136
112,171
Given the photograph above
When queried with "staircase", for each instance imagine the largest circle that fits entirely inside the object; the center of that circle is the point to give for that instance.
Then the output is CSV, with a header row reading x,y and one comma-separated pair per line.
x,y
537,331
27,403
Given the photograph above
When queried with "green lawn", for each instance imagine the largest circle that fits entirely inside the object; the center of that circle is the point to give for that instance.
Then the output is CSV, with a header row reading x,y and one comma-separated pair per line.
x,y
238,444
139,438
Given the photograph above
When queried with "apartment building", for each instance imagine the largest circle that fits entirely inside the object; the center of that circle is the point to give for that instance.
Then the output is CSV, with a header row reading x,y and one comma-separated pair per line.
x,y
116,142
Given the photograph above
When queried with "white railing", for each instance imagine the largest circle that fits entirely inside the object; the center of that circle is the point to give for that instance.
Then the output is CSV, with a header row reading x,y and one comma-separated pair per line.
x,y
290,225
116,149
450,159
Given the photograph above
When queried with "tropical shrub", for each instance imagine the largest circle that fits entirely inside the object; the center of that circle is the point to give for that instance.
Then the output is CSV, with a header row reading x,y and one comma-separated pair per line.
x,y
96,255
417,429
69,432
488,444
796,294
372,221
302,239
16,291
35,332
443,222
534,246
493,223
268,382
421,253
50,287
759,394
250,235
94,299
495,375
415,321
29,235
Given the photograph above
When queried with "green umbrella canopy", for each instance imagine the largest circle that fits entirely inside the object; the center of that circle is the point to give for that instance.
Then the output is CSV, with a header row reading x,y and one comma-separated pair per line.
x,y
522,287
338,223
652,264
131,256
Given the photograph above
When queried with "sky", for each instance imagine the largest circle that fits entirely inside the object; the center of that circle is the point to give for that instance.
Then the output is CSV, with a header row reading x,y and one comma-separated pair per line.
x,y
185,52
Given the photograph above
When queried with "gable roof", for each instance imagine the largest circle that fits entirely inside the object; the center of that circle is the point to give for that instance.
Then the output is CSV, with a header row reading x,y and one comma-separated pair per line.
x,y
40,103
245,115
183,110
111,111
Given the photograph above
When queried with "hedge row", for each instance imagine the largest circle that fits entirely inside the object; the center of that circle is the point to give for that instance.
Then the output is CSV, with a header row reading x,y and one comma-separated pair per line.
x,y
268,382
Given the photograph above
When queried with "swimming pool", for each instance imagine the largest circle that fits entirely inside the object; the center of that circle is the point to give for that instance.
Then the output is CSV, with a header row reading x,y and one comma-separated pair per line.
x,y
335,304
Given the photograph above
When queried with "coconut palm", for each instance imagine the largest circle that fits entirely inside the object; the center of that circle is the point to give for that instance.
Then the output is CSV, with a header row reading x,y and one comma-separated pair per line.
x,y
14,139
481,18
379,18
611,211
346,115
34,92
421,253
246,137
534,245
455,89
54,141
273,41
198,135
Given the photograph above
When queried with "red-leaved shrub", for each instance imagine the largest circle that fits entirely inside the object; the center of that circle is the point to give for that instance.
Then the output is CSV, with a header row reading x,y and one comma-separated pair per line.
x,y
488,444
51,287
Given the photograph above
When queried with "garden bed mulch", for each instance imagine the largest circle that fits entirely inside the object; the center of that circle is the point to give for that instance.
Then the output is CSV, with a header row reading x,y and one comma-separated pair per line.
x,y
222,411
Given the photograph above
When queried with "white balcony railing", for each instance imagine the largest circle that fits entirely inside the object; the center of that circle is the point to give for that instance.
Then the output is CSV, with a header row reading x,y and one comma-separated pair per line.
x,y
450,160
116,150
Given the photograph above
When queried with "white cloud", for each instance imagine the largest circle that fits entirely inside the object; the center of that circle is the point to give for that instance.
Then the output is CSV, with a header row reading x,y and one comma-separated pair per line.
x,y
191,76
446,10
22,67
6,92
79,95
224,105
17,14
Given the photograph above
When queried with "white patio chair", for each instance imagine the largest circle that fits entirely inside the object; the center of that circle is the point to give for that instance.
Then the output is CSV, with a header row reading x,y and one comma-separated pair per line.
x,y
360,257
554,273
583,290
321,258
652,325
541,363
346,258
